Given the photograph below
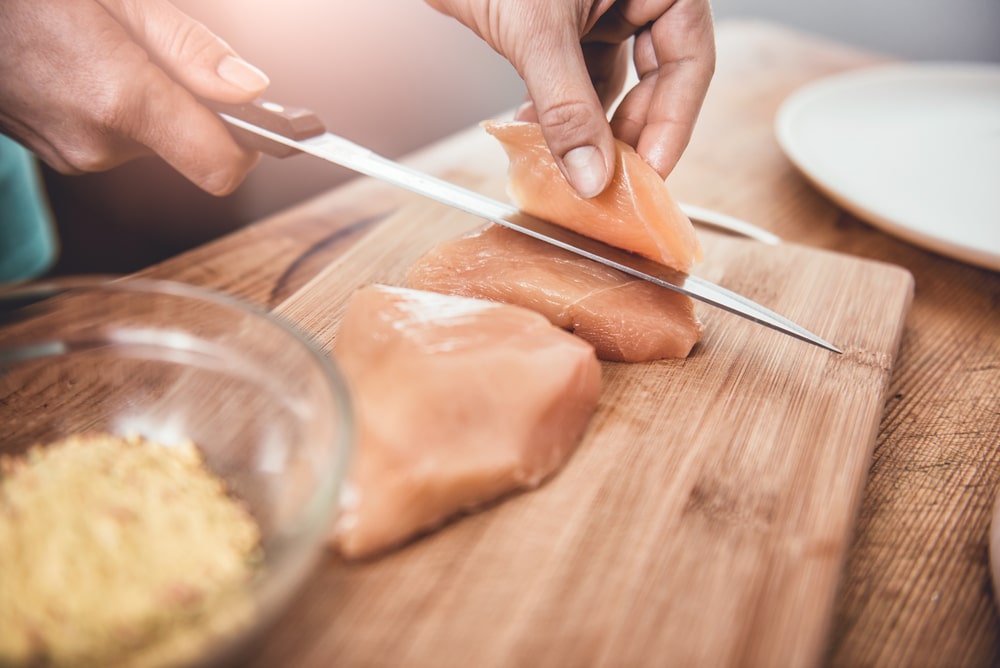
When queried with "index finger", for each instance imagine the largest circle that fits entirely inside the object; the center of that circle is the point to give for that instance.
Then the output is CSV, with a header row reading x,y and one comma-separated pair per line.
x,y
184,133
675,60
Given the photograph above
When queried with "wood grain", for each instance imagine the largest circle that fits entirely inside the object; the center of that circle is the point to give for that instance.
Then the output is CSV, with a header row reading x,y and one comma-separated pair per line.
x,y
916,588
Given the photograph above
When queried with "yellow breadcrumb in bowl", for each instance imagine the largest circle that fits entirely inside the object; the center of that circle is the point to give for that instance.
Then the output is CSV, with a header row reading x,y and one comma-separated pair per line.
x,y
158,546
169,462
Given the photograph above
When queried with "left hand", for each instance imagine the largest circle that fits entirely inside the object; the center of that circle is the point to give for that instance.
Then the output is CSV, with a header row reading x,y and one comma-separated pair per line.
x,y
572,55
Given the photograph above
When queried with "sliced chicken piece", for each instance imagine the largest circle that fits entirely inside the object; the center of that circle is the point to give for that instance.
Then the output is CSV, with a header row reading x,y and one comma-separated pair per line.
x,y
636,212
626,319
458,402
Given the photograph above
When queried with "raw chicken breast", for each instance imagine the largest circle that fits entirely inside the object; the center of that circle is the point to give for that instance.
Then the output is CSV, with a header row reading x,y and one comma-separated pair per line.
x,y
458,401
635,212
625,318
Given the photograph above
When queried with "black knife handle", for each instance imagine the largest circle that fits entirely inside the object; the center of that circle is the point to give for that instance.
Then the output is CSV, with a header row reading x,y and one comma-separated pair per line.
x,y
292,122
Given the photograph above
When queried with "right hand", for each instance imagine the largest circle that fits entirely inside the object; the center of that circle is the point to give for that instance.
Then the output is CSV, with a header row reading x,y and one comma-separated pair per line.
x,y
90,84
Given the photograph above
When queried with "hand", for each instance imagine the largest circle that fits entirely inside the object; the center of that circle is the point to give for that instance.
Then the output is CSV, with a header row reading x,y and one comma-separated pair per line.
x,y
572,55
90,84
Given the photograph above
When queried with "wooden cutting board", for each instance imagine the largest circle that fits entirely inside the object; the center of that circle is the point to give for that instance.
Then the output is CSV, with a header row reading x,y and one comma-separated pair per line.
x,y
704,519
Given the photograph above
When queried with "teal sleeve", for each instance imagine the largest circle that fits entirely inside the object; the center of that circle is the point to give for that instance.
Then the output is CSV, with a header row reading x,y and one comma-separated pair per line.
x,y
27,235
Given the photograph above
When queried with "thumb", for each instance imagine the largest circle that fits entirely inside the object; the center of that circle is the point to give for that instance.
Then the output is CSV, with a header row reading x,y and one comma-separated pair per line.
x,y
188,51
566,105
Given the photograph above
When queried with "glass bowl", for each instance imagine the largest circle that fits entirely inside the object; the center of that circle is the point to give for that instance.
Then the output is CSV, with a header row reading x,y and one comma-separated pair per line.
x,y
169,362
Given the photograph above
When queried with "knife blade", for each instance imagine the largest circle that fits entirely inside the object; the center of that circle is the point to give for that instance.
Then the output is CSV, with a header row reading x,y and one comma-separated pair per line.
x,y
279,130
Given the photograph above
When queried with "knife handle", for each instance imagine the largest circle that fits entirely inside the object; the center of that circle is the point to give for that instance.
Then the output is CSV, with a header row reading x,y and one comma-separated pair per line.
x,y
292,122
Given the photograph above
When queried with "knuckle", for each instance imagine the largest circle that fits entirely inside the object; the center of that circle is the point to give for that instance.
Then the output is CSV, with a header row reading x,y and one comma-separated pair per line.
x,y
88,154
192,42
110,116
115,110
565,116
83,161
110,123
568,125
566,119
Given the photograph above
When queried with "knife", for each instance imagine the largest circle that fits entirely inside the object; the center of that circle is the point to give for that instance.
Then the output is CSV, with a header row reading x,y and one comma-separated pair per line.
x,y
281,131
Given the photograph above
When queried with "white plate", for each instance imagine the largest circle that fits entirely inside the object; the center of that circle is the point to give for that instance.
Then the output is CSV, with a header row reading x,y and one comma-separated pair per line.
x,y
912,148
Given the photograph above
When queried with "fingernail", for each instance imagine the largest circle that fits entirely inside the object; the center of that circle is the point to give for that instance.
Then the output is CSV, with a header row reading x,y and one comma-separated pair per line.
x,y
242,74
585,167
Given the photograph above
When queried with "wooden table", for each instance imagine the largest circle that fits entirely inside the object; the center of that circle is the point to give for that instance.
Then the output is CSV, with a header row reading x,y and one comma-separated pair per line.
x,y
916,589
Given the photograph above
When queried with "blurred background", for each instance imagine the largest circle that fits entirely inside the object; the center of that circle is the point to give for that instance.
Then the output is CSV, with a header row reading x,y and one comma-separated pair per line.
x,y
395,75
913,29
